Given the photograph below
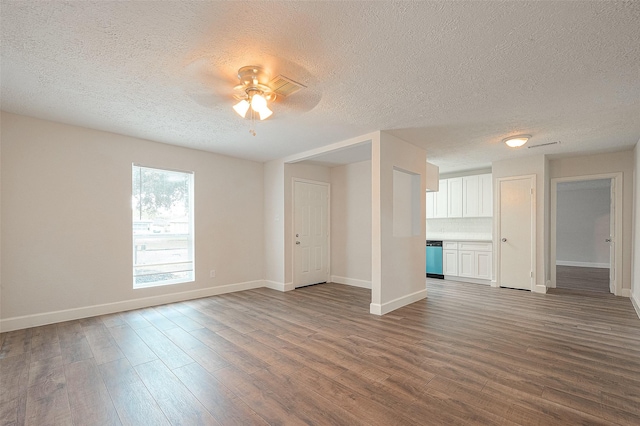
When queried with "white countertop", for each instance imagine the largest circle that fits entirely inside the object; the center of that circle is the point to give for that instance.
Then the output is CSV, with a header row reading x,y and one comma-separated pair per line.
x,y
459,236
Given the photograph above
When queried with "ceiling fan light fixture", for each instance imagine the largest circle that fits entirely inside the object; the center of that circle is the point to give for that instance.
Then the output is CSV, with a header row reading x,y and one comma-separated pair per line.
x,y
241,108
265,113
516,141
258,102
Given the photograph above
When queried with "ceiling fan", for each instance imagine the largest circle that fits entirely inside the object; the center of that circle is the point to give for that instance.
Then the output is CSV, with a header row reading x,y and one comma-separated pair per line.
x,y
211,83
256,90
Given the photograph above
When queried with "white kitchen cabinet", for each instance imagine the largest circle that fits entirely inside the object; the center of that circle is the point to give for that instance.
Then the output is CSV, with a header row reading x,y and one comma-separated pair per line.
x,y
470,196
483,265
454,194
466,263
477,196
450,258
441,200
437,202
431,205
485,195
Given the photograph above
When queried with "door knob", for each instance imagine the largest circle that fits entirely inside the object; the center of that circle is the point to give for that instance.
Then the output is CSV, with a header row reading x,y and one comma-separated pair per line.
x,y
504,240
608,240
298,242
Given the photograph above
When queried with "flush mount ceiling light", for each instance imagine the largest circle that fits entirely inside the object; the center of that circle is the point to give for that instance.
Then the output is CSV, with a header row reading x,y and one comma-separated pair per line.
x,y
516,141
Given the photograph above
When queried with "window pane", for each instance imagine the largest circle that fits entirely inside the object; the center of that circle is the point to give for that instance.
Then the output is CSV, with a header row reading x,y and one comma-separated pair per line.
x,y
162,205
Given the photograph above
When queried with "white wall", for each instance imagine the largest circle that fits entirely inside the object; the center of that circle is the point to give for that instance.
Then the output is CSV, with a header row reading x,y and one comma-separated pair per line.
x,y
398,262
621,161
583,218
66,221
534,165
465,225
351,224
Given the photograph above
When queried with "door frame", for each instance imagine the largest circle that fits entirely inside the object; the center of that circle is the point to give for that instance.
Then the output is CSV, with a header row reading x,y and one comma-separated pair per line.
x,y
497,233
616,183
293,226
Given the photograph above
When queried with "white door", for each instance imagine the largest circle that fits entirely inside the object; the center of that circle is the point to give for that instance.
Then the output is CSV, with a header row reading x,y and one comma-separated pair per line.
x,y
611,240
516,233
311,233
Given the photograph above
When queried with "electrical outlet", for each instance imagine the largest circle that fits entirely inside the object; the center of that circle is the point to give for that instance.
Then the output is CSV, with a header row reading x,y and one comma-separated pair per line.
x,y
212,273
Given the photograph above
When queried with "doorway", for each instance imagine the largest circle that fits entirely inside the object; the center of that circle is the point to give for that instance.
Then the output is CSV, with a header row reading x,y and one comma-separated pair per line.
x,y
311,233
583,222
516,232
585,225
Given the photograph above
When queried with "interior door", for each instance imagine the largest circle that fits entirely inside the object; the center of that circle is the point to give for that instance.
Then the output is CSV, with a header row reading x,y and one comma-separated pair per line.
x,y
311,233
516,233
611,239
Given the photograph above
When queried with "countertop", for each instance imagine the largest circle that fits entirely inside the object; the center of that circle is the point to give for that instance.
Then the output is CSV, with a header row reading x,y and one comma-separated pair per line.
x,y
487,238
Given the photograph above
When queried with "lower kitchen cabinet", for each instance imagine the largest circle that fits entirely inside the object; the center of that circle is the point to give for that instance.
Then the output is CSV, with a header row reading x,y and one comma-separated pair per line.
x,y
483,264
470,261
450,261
466,263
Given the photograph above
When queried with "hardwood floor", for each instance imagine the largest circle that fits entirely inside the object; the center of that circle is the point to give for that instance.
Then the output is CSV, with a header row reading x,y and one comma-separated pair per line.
x,y
583,279
469,354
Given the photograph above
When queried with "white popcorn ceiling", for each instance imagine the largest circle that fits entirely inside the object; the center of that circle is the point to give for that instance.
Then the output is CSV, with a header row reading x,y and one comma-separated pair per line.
x,y
452,77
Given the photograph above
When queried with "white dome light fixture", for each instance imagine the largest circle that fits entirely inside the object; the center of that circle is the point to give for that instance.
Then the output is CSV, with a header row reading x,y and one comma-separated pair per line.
x,y
254,94
516,141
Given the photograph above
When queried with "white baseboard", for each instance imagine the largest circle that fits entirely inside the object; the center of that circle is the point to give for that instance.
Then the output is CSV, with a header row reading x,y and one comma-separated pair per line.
x,y
635,301
468,280
539,288
35,320
274,285
385,308
351,281
625,292
581,264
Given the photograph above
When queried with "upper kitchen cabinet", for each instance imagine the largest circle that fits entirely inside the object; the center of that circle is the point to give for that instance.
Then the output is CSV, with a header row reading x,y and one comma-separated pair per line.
x,y
468,196
437,202
485,197
477,196
455,201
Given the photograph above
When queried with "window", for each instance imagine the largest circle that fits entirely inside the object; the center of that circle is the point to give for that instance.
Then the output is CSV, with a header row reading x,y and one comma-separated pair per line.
x,y
162,207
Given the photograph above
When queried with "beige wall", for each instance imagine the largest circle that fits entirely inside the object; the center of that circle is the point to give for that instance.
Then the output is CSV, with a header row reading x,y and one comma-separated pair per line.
x,y
66,218
351,224
622,161
274,224
398,262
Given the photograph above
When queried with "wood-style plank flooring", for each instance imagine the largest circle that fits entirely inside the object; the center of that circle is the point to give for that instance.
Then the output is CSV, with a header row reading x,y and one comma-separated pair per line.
x,y
583,279
468,354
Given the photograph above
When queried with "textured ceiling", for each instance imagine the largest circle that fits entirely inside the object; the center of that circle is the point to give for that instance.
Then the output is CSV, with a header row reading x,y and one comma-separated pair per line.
x,y
453,77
